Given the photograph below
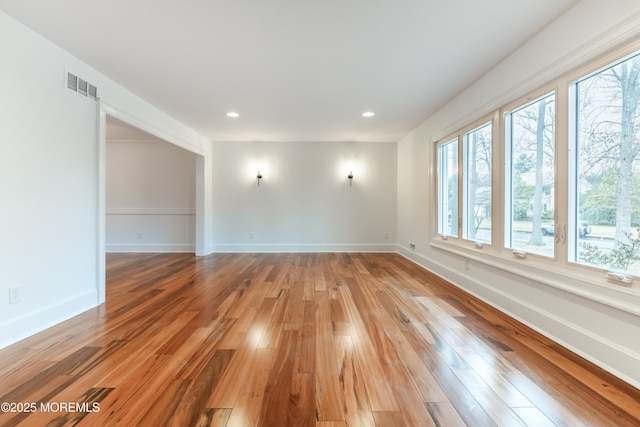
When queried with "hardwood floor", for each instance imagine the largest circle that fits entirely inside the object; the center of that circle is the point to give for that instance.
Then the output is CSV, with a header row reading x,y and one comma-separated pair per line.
x,y
299,340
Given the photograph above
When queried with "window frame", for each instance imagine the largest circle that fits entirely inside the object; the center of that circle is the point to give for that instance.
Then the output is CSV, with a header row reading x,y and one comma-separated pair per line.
x,y
465,218
573,100
459,136
439,196
540,268
506,147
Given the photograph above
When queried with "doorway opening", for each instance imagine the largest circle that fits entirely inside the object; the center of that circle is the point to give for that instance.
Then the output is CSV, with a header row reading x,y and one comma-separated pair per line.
x,y
147,216
150,192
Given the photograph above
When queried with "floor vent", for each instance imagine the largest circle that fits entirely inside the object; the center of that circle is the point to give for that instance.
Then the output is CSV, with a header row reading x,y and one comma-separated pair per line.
x,y
81,87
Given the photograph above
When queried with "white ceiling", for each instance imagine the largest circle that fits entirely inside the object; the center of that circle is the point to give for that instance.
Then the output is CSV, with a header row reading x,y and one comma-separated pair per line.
x,y
295,70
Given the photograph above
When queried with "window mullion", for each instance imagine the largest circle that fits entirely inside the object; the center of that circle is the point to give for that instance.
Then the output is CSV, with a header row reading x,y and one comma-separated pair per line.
x,y
497,178
564,169
461,177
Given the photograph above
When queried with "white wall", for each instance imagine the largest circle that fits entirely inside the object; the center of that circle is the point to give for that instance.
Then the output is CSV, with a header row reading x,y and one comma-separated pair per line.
x,y
49,179
150,197
304,202
599,321
47,187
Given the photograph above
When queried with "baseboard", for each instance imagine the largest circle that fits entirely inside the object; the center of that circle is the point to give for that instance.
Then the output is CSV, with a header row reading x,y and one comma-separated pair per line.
x,y
292,248
150,211
610,356
38,320
152,247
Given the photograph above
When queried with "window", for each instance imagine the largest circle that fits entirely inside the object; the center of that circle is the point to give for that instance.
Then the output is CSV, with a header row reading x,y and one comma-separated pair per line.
x,y
605,221
530,149
569,178
476,215
448,188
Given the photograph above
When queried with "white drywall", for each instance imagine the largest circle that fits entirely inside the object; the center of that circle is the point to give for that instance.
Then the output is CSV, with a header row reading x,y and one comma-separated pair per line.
x,y
304,201
150,197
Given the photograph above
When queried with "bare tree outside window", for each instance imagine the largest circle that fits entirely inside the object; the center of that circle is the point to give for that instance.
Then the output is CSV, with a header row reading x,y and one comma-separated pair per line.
x,y
531,138
608,161
477,184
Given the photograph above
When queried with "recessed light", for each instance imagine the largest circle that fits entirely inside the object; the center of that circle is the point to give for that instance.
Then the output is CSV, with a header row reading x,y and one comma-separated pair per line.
x,y
368,114
233,114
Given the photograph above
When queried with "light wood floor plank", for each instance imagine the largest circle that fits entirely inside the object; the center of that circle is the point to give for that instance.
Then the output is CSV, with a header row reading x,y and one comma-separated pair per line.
x,y
302,401
329,400
497,409
499,384
444,414
274,409
380,394
247,407
356,401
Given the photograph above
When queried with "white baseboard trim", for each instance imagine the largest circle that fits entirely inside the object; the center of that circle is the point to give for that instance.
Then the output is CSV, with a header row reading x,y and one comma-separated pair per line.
x,y
292,248
152,247
610,356
30,323
150,211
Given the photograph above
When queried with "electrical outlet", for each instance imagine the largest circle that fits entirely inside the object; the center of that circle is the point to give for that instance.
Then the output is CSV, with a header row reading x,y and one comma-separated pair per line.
x,y
15,294
386,236
139,235
250,236
412,246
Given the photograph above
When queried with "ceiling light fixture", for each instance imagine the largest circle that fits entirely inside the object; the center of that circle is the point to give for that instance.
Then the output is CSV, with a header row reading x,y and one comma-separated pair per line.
x,y
233,114
368,114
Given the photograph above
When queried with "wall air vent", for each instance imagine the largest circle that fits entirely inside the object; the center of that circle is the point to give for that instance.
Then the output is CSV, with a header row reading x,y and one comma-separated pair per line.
x,y
72,82
81,87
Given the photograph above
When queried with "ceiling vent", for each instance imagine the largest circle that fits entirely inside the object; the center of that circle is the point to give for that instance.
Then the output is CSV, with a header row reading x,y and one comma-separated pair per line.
x,y
81,87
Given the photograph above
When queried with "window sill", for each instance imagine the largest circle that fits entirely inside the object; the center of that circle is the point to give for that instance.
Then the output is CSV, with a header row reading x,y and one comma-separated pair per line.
x,y
551,273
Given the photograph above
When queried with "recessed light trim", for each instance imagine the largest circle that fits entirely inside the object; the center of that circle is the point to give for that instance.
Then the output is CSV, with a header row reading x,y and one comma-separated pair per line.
x,y
233,114
368,114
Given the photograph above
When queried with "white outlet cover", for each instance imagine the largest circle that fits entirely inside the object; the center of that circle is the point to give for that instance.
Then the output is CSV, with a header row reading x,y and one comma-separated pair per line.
x,y
15,295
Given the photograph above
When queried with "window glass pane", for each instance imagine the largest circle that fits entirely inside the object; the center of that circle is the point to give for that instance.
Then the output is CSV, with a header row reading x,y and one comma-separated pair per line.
x,y
476,216
448,188
531,137
606,220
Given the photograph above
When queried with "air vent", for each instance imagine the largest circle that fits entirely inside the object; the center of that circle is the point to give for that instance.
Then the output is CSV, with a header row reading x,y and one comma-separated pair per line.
x,y
81,87
72,82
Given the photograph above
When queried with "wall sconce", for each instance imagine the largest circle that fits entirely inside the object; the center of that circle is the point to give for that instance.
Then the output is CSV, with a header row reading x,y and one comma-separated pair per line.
x,y
350,176
259,176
